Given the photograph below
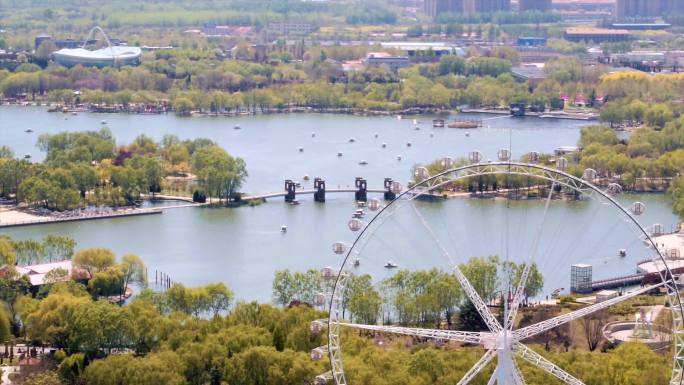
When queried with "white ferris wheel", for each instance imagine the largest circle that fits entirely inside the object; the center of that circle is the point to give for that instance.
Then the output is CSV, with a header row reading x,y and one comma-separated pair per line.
x,y
560,221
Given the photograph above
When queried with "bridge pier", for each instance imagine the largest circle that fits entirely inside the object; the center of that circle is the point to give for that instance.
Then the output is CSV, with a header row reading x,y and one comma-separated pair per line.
x,y
290,191
389,194
361,192
319,187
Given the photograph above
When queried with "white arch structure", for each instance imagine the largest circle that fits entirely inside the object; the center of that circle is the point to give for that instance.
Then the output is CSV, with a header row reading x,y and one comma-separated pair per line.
x,y
91,35
501,341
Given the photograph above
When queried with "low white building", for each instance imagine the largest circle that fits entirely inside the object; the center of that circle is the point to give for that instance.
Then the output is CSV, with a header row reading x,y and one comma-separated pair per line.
x,y
605,295
37,273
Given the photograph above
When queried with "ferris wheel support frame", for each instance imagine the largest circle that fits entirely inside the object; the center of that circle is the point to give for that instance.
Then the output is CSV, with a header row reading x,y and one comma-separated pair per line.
x,y
512,340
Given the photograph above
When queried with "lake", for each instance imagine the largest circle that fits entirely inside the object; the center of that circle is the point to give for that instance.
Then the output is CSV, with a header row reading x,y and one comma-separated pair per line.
x,y
270,143
244,247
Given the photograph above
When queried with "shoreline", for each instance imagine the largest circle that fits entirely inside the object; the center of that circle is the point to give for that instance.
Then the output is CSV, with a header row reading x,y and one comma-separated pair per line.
x,y
119,109
19,218
93,109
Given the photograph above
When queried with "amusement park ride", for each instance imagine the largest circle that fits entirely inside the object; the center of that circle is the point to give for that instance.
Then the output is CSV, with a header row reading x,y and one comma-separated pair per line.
x,y
503,342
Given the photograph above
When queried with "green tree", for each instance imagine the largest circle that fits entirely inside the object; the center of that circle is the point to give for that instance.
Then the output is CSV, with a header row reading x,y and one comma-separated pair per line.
x,y
183,106
364,299
5,327
12,288
483,274
219,174
94,260
58,248
107,282
99,326
85,177
220,298
134,271
283,287
8,256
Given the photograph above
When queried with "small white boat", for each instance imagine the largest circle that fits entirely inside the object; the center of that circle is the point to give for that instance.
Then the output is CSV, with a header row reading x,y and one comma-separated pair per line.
x,y
283,229
363,162
358,213
313,134
294,202
399,157
298,185
301,149
390,265
622,253
415,121
352,140
236,127
399,117
357,262
360,204
28,130
103,122
340,154
467,133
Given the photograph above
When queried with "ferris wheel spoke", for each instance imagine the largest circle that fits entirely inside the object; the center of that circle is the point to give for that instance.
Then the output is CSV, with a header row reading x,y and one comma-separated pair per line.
x,y
551,323
489,319
478,367
517,298
517,374
539,361
477,338
492,379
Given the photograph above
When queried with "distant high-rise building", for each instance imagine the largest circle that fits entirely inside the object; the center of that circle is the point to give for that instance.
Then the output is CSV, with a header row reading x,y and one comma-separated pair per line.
x,y
675,6
486,6
434,7
631,9
534,5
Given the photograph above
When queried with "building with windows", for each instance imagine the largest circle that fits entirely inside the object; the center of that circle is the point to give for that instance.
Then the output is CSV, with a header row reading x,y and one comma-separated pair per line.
x,y
378,59
486,6
596,35
534,5
40,39
635,9
433,8
424,51
291,28
580,278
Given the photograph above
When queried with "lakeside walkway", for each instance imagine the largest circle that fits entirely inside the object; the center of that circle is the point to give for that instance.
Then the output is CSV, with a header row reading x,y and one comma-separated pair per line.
x,y
42,220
